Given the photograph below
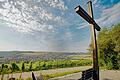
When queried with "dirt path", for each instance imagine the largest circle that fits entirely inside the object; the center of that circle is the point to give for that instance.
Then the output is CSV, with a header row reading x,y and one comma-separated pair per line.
x,y
37,73
110,75
104,75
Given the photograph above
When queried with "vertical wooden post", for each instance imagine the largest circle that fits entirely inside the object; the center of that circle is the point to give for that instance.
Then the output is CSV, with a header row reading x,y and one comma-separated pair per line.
x,y
94,44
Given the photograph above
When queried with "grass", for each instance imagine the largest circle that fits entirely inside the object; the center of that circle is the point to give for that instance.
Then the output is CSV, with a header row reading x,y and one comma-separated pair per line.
x,y
77,57
48,76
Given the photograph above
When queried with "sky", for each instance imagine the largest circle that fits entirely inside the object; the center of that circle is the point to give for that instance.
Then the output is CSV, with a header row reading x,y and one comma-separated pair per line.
x,y
51,25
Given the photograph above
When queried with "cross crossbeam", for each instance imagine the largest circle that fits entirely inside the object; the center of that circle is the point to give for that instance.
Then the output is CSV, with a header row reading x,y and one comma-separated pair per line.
x,y
85,15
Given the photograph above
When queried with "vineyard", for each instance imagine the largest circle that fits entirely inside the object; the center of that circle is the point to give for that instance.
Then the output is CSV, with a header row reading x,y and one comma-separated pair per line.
x,y
42,65
24,62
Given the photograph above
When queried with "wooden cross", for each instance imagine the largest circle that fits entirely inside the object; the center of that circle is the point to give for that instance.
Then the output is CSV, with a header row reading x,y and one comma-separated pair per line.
x,y
93,25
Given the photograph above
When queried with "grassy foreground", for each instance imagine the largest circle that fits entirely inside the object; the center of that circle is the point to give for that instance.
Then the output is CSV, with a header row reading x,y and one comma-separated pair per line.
x,y
48,76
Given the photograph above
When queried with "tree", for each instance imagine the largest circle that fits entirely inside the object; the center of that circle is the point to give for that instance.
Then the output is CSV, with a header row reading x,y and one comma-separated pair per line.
x,y
108,41
30,66
23,67
4,69
15,67
116,37
108,47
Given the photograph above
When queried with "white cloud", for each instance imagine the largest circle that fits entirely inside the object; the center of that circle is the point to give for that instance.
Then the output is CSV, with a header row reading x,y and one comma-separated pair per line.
x,y
95,1
83,25
28,16
56,3
40,20
110,16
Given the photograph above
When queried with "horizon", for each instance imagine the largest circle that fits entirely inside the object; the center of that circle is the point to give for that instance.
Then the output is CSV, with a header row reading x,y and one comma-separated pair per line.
x,y
45,51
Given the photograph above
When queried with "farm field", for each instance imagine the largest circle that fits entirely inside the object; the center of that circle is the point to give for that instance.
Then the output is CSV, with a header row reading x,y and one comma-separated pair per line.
x,y
19,64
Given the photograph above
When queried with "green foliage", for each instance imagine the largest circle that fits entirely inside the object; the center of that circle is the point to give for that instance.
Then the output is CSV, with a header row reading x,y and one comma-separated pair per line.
x,y
30,66
48,76
29,79
109,47
4,69
23,67
2,66
19,79
15,67
43,65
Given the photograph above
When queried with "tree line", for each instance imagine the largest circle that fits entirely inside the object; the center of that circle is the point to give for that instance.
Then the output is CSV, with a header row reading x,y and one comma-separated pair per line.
x,y
108,41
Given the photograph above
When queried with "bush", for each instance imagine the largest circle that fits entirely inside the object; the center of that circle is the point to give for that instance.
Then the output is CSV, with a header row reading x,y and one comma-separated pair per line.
x,y
109,47
15,67
43,65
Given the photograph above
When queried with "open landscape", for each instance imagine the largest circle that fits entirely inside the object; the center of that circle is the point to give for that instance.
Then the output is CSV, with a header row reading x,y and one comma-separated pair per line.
x,y
59,39
63,66
49,64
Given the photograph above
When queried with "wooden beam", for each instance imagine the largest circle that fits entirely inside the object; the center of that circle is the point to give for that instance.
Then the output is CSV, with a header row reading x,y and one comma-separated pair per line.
x,y
79,10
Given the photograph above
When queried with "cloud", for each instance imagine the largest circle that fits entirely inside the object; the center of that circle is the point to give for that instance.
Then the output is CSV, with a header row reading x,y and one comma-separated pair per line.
x,y
28,16
50,25
56,3
43,24
83,25
110,16
106,3
106,17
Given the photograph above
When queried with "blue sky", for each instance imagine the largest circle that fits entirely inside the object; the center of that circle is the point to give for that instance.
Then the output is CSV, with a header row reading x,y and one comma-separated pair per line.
x,y
51,25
